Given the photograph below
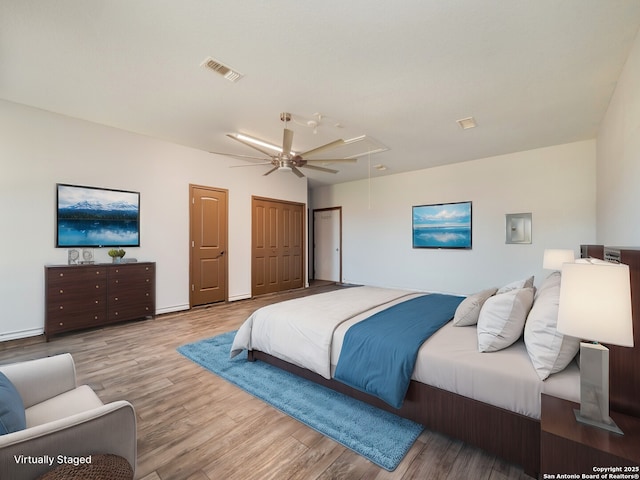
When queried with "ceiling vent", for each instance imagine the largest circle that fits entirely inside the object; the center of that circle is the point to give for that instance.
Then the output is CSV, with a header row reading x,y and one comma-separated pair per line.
x,y
221,69
466,123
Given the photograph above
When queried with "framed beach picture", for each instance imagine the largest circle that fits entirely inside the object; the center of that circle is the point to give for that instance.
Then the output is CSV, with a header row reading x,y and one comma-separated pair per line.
x,y
443,225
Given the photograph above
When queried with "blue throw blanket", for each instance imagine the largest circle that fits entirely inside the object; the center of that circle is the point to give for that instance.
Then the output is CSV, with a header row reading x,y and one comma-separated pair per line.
x,y
378,354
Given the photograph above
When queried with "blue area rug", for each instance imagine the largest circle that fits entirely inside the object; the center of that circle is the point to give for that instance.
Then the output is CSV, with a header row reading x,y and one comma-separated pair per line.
x,y
380,436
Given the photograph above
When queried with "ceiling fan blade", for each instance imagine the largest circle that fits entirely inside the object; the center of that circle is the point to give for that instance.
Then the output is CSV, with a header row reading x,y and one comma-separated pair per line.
x,y
244,157
297,172
250,145
270,171
335,143
251,165
287,141
332,160
322,169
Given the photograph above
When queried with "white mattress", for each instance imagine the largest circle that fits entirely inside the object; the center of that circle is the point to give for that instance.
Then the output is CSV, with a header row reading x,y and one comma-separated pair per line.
x,y
450,360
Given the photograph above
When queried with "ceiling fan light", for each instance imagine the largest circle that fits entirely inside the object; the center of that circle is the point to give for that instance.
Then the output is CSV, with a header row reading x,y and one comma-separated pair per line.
x,y
255,141
284,168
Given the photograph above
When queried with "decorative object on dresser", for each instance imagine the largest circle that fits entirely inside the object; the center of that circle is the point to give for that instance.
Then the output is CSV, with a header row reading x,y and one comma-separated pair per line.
x,y
116,254
83,296
595,304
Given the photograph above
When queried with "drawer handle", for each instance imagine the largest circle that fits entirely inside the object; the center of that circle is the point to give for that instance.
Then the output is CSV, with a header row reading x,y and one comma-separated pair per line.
x,y
116,313
97,286
97,302
62,274
116,299
61,291
61,323
61,307
147,280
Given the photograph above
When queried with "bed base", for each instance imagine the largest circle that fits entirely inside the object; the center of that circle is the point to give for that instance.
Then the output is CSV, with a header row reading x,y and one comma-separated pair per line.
x,y
508,435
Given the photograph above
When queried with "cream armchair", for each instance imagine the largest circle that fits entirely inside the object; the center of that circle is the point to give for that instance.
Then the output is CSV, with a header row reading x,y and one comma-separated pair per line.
x,y
63,420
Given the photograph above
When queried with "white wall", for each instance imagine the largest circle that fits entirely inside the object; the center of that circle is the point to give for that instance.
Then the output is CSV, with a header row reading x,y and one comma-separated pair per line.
x,y
618,160
39,149
556,184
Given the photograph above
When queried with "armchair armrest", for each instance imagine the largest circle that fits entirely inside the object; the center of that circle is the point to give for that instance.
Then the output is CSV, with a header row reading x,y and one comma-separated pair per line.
x,y
110,428
43,378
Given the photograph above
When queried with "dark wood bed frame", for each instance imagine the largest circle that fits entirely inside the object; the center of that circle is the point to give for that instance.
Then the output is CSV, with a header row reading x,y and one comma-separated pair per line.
x,y
511,436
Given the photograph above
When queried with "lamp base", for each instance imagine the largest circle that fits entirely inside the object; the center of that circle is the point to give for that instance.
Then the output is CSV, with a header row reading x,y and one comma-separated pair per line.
x,y
594,387
611,427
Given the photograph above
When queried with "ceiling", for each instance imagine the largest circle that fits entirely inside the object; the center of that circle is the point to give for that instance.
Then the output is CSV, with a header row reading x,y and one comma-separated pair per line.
x,y
532,73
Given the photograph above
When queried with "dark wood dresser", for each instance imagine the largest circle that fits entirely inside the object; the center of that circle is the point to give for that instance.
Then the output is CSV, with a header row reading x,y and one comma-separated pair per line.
x,y
82,296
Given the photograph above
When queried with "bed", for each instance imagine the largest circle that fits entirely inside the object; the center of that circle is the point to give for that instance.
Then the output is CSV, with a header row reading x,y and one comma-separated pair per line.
x,y
488,398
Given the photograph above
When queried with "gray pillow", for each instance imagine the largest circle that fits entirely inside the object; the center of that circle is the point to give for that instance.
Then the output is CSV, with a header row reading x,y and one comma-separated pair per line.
x,y
468,311
502,318
549,350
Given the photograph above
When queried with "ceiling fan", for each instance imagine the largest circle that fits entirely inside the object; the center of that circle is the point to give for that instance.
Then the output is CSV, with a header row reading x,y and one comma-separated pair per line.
x,y
285,159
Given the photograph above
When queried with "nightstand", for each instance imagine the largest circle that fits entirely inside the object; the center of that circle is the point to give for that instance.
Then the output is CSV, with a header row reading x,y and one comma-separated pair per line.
x,y
568,447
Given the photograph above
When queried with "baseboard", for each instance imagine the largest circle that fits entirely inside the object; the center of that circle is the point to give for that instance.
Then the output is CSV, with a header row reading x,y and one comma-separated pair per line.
x,y
32,332
242,296
172,309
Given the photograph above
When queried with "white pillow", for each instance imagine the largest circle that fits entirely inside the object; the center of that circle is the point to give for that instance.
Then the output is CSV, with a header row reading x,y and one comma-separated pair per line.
x,y
502,318
468,311
549,350
518,284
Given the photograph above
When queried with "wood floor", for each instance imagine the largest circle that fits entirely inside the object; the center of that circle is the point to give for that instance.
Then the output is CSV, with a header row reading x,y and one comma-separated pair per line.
x,y
193,425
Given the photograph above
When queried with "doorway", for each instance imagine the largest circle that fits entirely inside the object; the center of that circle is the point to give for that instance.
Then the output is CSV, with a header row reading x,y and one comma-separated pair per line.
x,y
277,248
208,219
327,244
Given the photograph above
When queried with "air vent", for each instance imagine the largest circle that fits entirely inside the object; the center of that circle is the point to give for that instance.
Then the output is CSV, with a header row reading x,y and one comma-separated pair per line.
x,y
466,123
221,69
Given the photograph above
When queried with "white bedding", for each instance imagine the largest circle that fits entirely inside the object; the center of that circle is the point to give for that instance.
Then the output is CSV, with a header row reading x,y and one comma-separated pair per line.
x,y
309,331
300,331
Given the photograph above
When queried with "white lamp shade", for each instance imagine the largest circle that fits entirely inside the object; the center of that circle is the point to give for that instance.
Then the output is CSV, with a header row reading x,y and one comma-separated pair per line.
x,y
595,303
554,258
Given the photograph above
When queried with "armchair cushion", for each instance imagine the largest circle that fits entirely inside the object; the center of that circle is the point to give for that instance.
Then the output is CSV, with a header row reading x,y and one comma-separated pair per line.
x,y
64,405
12,414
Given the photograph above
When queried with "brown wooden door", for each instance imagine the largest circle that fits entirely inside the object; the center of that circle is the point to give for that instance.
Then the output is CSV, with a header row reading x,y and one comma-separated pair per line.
x,y
278,246
208,231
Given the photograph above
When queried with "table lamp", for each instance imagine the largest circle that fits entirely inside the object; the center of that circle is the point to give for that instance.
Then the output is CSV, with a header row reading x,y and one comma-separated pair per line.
x,y
554,258
595,305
